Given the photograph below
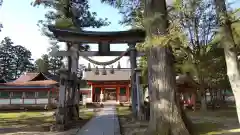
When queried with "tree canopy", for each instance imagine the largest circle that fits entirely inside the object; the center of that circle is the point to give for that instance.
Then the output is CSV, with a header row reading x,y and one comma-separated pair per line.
x,y
14,59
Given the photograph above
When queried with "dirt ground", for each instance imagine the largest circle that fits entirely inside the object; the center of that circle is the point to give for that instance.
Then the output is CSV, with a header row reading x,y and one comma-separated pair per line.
x,y
219,122
36,122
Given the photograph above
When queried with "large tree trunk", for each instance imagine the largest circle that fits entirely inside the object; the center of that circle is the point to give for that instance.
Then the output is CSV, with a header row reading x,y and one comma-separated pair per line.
x,y
230,52
165,113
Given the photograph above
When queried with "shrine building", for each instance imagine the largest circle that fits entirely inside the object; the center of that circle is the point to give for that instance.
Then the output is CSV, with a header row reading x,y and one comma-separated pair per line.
x,y
113,83
29,90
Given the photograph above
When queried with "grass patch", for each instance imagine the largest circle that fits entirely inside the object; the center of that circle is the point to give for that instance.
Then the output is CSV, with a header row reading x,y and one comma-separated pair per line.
x,y
86,114
35,121
225,132
19,119
213,122
129,125
123,111
206,127
230,113
202,127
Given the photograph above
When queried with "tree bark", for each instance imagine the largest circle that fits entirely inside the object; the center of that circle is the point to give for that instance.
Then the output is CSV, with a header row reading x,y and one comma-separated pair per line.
x,y
230,51
166,115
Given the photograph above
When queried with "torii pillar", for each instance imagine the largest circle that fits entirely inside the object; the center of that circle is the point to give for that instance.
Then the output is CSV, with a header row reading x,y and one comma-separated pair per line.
x,y
133,61
68,94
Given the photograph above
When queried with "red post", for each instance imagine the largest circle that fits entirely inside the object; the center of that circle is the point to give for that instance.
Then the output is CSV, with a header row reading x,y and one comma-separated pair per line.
x,y
93,93
117,92
127,93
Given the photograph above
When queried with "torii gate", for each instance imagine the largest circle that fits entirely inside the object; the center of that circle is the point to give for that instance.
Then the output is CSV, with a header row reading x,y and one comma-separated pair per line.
x,y
75,39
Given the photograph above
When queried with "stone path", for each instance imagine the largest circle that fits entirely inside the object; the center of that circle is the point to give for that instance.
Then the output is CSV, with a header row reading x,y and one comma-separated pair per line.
x,y
104,123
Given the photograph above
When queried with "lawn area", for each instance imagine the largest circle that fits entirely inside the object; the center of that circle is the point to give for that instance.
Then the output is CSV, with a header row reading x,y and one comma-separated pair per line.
x,y
28,118
220,122
229,113
123,110
128,125
35,121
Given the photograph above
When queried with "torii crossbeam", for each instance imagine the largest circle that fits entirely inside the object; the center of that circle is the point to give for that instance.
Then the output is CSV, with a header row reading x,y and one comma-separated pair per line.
x,y
103,39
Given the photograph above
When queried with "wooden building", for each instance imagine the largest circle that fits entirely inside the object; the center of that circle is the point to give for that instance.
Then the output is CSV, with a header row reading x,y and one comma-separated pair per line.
x,y
113,83
29,90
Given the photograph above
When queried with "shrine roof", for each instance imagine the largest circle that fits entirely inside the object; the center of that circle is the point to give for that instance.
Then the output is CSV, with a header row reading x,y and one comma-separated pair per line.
x,y
33,80
31,83
122,74
71,35
25,77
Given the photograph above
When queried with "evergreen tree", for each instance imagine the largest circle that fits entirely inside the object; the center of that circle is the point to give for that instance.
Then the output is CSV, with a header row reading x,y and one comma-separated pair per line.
x,y
55,63
14,60
42,64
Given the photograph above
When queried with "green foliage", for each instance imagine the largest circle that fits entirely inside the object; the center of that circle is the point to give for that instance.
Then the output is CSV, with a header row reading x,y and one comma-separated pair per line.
x,y
132,11
63,15
14,59
42,64
55,63
191,34
236,34
48,63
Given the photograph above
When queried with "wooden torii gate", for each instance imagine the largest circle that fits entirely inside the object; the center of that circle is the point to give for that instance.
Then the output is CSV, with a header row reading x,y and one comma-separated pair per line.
x,y
75,40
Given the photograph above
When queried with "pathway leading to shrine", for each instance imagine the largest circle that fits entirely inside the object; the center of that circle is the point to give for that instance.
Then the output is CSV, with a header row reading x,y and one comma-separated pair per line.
x,y
104,123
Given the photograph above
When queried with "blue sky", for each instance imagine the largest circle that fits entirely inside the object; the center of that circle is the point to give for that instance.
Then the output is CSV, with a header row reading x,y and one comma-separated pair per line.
x,y
19,20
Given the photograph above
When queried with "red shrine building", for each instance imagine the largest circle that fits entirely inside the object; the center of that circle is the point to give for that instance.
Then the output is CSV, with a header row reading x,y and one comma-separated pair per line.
x,y
29,90
112,83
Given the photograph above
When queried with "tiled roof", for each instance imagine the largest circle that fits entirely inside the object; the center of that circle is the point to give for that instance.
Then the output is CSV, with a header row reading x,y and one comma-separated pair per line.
x,y
118,75
51,76
26,77
31,83
31,76
31,79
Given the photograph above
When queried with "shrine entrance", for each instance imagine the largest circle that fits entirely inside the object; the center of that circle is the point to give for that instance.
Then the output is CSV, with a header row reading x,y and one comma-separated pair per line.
x,y
118,91
109,94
